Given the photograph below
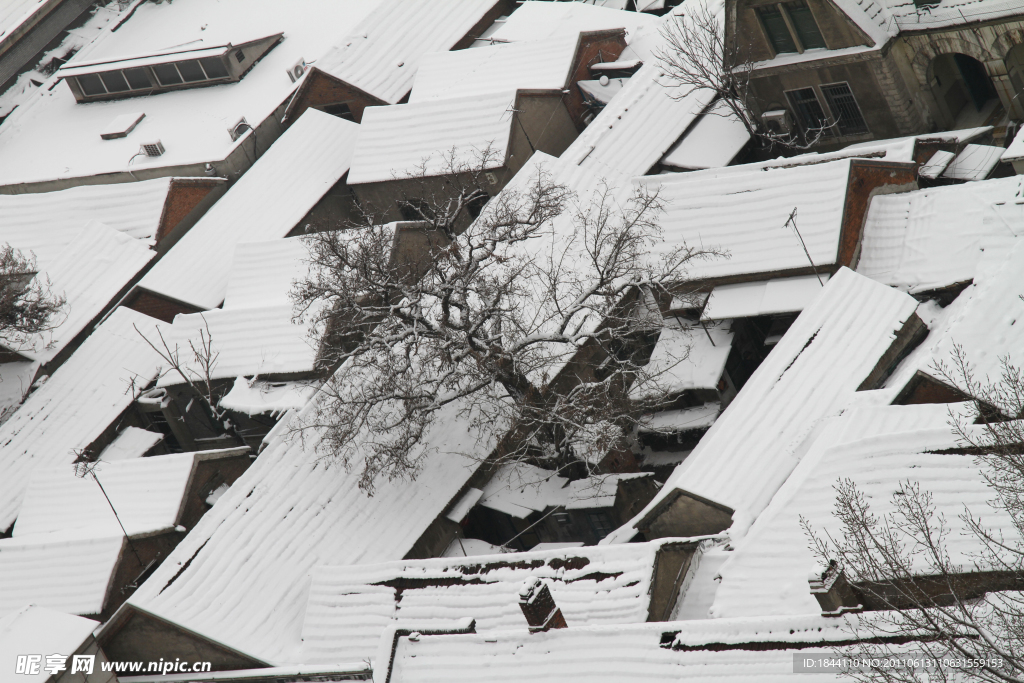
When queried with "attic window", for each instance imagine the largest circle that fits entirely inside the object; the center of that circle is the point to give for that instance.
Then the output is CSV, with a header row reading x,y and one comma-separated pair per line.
x,y
791,27
158,73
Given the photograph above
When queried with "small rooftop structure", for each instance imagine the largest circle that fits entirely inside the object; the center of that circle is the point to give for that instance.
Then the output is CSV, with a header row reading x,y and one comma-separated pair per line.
x,y
377,61
268,202
34,630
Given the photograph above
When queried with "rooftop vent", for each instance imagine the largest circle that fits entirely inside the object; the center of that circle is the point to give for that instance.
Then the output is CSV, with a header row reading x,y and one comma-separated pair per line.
x,y
238,130
152,149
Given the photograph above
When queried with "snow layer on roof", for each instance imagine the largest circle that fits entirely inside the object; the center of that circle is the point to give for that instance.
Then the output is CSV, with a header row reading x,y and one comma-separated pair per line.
x,y
1015,151
767,573
46,223
250,555
974,162
254,397
715,140
262,273
407,139
13,13
265,203
749,299
933,238
535,64
536,20
248,341
522,490
382,53
51,136
606,654
811,374
689,356
349,606
62,571
89,273
745,214
130,443
38,630
146,492
683,419
76,404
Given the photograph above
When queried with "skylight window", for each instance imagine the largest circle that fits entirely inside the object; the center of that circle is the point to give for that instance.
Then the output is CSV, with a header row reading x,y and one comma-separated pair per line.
x,y
167,71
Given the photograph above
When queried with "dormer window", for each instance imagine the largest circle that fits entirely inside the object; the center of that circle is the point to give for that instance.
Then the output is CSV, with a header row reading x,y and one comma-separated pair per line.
x,y
790,26
111,79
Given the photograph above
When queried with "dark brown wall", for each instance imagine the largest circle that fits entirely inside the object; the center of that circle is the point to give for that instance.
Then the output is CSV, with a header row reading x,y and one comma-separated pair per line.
x,y
208,475
671,567
131,565
320,89
156,306
184,195
922,388
594,47
500,8
332,212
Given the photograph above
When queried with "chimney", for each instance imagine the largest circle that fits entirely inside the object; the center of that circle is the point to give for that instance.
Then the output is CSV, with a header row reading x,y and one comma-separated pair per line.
x,y
541,612
832,591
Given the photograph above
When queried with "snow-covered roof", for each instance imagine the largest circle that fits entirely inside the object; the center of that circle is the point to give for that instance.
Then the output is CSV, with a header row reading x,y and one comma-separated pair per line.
x,y
749,650
50,136
715,140
14,13
64,571
767,297
535,64
34,629
689,356
879,448
349,606
146,492
248,341
262,273
76,404
1015,150
935,237
265,203
394,142
249,557
811,374
974,162
382,53
132,442
641,123
46,223
745,213
535,20
255,396
89,273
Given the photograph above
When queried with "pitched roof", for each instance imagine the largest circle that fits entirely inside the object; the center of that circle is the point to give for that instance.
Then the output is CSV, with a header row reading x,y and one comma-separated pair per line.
x,y
46,223
262,273
382,53
932,238
146,492
350,606
34,629
265,203
811,374
51,136
745,213
395,141
289,512
76,404
539,20
536,64
90,272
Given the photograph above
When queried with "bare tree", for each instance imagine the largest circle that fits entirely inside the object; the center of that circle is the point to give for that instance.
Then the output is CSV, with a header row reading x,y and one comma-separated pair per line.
x,y
901,566
695,56
539,316
27,306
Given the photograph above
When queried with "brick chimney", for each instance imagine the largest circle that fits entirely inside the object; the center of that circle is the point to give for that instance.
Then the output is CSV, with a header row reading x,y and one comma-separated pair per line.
x,y
539,607
832,591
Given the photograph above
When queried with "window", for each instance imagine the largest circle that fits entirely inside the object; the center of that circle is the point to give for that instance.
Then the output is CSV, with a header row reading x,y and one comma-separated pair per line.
x,y
791,27
775,26
477,204
415,210
849,119
806,28
601,523
167,74
91,84
138,79
808,110
340,110
115,82
214,67
191,71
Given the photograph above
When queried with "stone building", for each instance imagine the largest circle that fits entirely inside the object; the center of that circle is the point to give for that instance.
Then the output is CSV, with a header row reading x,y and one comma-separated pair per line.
x,y
880,68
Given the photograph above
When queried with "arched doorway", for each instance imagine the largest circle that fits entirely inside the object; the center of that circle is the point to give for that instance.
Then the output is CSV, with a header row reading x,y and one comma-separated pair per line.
x,y
963,90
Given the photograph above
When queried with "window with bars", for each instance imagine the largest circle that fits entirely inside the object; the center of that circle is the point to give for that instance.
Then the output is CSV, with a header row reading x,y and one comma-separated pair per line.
x,y
845,110
807,108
